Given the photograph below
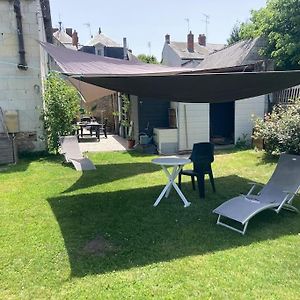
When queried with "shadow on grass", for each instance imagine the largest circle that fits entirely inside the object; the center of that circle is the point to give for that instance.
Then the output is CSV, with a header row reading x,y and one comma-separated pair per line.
x,y
142,235
26,159
109,173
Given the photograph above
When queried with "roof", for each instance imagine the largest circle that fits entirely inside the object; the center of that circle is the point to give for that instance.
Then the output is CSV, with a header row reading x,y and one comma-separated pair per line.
x,y
200,52
103,40
64,39
238,54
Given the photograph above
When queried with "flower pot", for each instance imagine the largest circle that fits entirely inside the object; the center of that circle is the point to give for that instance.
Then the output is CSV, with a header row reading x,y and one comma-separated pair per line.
x,y
130,143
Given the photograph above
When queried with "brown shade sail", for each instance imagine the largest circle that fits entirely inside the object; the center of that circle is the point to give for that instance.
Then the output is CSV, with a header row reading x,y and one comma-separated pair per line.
x,y
90,92
166,83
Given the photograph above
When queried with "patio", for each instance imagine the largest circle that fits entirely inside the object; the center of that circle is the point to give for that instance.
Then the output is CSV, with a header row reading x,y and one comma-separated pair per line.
x,y
112,143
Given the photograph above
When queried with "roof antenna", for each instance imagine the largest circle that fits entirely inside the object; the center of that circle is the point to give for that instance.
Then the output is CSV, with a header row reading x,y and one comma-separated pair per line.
x,y
206,21
188,23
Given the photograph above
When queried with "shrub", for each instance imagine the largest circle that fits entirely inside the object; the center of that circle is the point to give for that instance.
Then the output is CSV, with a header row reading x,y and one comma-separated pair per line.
x,y
280,129
61,108
243,142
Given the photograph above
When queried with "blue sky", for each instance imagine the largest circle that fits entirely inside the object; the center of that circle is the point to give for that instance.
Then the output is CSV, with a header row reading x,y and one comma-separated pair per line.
x,y
148,21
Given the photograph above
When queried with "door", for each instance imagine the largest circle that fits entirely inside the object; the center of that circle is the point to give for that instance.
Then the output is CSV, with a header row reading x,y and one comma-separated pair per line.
x,y
222,123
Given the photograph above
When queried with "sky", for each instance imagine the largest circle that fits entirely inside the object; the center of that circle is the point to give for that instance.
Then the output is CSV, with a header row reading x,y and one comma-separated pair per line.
x,y
145,23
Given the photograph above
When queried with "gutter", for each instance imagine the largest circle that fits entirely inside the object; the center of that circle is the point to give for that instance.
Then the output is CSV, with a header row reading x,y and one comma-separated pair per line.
x,y
17,9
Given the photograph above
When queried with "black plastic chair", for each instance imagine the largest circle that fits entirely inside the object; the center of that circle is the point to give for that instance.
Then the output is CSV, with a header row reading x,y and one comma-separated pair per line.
x,y
202,156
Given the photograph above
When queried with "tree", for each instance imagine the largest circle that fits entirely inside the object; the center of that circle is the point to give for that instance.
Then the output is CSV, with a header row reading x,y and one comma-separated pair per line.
x,y
61,108
149,59
235,34
279,23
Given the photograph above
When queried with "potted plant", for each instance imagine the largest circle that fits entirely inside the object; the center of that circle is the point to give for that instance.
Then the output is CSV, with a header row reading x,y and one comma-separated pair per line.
x,y
130,136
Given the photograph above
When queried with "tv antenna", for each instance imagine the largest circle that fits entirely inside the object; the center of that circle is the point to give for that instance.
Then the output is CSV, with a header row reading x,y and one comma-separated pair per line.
x,y
88,25
206,21
188,23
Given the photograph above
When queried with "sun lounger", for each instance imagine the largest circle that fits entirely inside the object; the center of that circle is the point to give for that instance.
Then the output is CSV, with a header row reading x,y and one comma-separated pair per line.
x,y
70,149
278,193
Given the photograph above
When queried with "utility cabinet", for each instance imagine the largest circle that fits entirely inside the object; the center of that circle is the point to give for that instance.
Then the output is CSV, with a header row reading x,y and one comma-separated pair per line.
x,y
166,140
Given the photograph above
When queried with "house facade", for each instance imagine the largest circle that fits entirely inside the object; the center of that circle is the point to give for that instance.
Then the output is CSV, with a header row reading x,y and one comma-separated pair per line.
x,y
222,123
23,66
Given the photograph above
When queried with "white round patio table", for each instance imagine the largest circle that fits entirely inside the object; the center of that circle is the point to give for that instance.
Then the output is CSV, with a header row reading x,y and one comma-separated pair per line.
x,y
177,163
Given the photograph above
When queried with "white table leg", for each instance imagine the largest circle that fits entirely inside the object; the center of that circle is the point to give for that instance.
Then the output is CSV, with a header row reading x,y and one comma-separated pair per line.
x,y
171,181
162,193
171,178
186,203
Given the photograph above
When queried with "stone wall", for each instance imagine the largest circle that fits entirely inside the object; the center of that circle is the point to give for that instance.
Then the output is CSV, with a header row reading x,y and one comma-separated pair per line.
x,y
21,90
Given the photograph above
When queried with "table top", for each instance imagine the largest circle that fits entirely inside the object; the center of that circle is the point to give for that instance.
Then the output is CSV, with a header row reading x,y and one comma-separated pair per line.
x,y
171,161
88,123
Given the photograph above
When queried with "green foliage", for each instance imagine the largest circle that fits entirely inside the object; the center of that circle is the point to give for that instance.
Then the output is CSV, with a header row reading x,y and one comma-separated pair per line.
x,y
243,142
126,116
61,108
235,34
149,59
279,23
280,129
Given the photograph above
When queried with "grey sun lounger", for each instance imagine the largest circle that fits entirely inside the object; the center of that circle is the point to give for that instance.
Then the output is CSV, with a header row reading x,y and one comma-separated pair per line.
x,y
278,193
70,149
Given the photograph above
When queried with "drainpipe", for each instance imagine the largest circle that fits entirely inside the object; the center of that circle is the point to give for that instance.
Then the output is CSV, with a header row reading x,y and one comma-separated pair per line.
x,y
17,9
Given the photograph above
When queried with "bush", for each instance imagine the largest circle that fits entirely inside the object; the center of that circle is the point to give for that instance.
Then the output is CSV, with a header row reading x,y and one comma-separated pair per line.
x,y
280,129
61,108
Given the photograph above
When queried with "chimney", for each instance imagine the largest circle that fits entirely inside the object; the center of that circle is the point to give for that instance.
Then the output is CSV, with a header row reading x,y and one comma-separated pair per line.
x,y
125,49
190,42
99,30
202,39
54,29
69,31
75,39
167,38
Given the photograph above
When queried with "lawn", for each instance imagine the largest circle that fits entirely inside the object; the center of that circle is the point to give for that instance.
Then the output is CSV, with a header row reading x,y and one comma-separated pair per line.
x,y
95,235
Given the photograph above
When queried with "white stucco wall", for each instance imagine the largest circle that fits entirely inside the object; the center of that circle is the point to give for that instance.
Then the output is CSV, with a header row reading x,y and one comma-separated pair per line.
x,y
244,111
19,89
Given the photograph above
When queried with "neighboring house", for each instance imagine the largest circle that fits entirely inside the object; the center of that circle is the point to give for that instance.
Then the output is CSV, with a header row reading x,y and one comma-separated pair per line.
x,y
23,66
187,54
66,37
104,46
223,123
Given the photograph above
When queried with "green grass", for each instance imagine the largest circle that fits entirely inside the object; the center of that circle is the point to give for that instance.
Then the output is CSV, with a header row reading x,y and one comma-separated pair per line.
x,y
49,213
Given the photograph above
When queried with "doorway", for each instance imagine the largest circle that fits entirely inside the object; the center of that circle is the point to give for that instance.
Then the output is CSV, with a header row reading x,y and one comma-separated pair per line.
x,y
222,123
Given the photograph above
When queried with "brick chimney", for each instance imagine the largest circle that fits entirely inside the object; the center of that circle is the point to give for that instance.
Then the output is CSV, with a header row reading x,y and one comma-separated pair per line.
x,y
75,39
202,39
190,42
69,31
167,38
